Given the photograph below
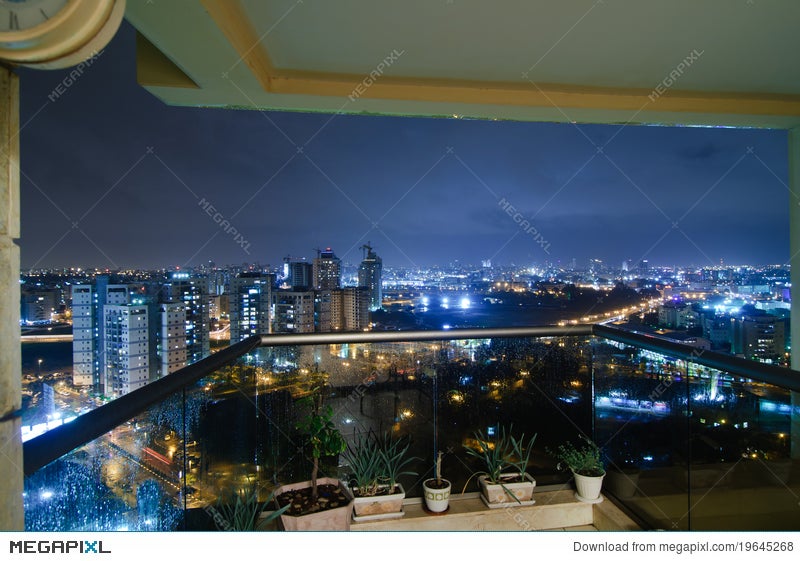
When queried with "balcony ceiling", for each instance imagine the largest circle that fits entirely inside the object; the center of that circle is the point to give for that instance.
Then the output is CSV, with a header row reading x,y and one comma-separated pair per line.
x,y
733,62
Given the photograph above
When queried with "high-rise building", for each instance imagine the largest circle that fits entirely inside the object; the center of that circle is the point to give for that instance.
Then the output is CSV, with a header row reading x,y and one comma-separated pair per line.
x,y
88,334
192,292
172,346
323,311
126,360
299,274
293,311
369,277
123,337
349,309
84,340
37,306
759,337
327,270
250,304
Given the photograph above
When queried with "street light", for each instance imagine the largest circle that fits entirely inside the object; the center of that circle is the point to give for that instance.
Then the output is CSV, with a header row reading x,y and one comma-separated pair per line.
x,y
40,367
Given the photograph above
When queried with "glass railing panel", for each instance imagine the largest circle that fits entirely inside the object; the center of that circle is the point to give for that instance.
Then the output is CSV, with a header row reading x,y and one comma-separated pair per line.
x,y
438,393
741,475
641,423
132,478
241,419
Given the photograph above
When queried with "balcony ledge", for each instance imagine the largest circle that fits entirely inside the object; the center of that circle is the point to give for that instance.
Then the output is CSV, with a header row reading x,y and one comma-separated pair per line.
x,y
556,509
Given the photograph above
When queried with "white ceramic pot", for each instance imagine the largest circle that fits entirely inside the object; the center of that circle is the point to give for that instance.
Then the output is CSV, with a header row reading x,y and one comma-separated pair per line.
x,y
588,488
436,500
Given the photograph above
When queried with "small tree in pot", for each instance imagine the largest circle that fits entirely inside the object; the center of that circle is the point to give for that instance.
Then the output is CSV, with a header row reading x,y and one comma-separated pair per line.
x,y
305,499
437,489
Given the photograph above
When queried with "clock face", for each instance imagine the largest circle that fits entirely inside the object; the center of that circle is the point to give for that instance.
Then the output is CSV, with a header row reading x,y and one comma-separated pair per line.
x,y
21,15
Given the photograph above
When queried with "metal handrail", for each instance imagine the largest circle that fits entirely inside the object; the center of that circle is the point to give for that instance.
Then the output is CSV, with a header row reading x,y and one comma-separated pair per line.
x,y
48,447
286,339
57,442
758,371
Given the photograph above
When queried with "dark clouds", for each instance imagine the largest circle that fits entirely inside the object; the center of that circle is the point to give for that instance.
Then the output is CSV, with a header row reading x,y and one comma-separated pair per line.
x,y
131,172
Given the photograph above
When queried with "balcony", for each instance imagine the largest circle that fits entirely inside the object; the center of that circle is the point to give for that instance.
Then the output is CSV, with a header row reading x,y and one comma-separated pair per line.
x,y
694,440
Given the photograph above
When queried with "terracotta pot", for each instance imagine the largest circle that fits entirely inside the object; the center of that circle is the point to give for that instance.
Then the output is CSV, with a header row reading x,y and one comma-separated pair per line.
x,y
379,506
497,495
337,519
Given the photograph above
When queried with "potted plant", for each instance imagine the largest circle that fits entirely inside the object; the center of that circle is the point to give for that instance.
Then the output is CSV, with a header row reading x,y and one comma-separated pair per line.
x,y
437,489
242,511
324,503
505,481
587,467
376,464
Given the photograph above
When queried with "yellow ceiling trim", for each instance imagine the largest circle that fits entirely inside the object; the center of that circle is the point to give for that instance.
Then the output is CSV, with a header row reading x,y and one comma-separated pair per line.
x,y
232,20
531,94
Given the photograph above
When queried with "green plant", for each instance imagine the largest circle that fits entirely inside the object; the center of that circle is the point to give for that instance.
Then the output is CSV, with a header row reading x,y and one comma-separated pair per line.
x,y
585,460
521,452
365,460
499,455
377,462
493,454
242,512
323,436
393,452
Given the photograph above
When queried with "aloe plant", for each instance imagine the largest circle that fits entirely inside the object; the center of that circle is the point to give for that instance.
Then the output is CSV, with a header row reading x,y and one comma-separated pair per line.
x,y
378,461
502,457
364,459
242,512
502,453
393,452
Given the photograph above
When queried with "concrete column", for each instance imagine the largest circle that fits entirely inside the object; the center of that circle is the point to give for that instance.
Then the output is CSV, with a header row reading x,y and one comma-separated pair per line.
x,y
11,477
794,251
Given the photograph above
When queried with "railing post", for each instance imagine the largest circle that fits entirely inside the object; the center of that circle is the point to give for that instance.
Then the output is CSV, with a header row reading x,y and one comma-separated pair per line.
x,y
794,262
11,478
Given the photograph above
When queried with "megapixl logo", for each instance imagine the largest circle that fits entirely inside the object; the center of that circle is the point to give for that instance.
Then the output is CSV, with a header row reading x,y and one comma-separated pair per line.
x,y
57,546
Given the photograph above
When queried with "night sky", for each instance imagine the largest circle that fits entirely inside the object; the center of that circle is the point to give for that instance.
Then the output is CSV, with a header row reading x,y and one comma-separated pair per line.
x,y
113,178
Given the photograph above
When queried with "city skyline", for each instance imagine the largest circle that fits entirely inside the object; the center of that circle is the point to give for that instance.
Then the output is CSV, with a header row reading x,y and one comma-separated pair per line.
x,y
112,178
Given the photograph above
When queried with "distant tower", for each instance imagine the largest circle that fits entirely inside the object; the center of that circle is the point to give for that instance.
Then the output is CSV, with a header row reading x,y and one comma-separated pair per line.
x,y
192,292
327,270
369,277
250,303
299,274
